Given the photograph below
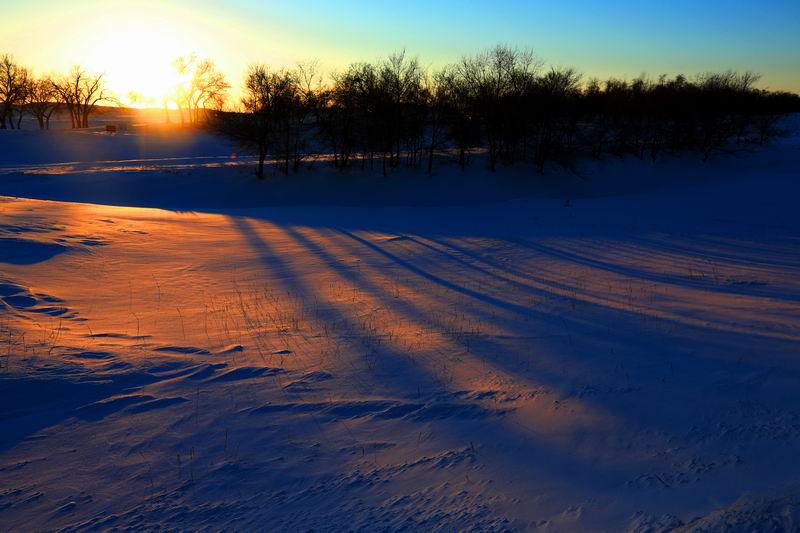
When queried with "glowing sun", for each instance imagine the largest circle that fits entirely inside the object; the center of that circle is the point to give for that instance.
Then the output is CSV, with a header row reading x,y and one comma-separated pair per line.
x,y
136,57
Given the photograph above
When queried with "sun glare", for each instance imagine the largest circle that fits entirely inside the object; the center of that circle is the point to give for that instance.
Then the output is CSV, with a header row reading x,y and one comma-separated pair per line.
x,y
137,57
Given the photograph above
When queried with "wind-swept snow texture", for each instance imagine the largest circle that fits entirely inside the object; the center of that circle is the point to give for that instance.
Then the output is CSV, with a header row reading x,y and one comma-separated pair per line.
x,y
608,363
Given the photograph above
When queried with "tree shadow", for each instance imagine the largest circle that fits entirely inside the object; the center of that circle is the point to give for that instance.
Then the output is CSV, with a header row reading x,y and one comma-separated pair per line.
x,y
401,374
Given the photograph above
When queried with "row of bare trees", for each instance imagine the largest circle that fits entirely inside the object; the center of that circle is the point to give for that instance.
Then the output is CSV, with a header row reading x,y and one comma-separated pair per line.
x,y
200,86
712,112
502,102
275,117
23,93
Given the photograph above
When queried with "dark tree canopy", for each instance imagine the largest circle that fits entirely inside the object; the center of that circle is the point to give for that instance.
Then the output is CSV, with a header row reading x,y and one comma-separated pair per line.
x,y
503,103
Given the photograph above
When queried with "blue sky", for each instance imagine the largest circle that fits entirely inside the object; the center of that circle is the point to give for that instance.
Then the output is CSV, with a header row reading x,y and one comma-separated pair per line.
x,y
599,37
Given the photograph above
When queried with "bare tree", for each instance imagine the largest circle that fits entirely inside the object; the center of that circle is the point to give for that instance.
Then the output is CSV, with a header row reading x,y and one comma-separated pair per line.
x,y
63,88
13,86
310,99
355,114
201,87
81,92
495,81
91,92
42,101
207,90
400,83
436,99
266,121
183,67
379,108
462,124
258,102
25,82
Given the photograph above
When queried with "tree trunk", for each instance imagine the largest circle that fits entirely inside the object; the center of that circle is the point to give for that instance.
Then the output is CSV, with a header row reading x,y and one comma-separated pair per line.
x,y
260,171
335,156
430,155
287,154
262,155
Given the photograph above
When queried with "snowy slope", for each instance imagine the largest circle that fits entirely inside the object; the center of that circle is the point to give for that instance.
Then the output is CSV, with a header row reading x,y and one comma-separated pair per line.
x,y
621,361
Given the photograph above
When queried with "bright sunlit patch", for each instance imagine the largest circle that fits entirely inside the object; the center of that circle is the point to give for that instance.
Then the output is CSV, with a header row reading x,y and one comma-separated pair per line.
x,y
136,54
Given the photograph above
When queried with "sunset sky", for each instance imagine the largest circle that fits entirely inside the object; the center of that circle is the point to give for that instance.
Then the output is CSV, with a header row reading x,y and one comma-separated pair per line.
x,y
133,42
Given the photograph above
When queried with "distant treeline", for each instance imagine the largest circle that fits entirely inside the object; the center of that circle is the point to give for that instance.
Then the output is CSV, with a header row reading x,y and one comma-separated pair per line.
x,y
394,112
78,93
22,93
502,102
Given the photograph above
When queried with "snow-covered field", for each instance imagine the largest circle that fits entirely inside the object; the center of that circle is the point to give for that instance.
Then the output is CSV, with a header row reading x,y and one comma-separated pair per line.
x,y
317,353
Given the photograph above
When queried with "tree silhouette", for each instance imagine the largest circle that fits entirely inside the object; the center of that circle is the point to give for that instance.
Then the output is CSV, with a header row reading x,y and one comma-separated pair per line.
x,y
42,101
80,92
14,85
201,87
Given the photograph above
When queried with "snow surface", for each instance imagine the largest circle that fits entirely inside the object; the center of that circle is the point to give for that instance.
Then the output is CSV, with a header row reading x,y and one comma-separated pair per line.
x,y
337,352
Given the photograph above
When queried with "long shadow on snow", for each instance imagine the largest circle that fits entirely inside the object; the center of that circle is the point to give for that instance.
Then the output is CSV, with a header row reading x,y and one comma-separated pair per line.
x,y
408,310
523,310
571,323
552,459
611,404
675,350
649,275
555,285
